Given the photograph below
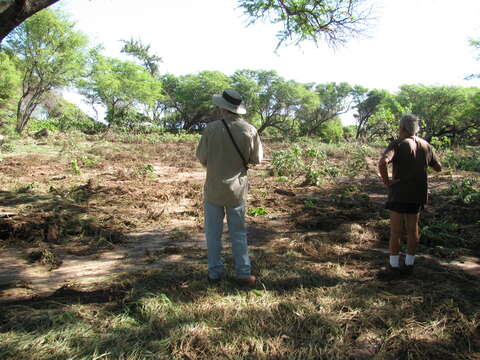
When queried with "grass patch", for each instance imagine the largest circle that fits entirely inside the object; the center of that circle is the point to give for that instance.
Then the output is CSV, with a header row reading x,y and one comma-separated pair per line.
x,y
298,310
317,296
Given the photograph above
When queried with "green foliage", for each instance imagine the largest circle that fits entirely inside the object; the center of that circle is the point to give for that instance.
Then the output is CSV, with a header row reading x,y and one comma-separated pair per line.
x,y
376,114
75,167
318,163
334,21
10,79
331,131
445,111
189,98
467,191
442,142
35,125
51,56
148,171
287,162
122,87
259,211
310,203
69,116
466,162
141,51
7,147
357,160
475,43
88,161
326,104
314,175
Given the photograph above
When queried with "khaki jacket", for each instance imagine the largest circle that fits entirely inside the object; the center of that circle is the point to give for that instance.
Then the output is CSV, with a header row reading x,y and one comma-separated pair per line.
x,y
226,182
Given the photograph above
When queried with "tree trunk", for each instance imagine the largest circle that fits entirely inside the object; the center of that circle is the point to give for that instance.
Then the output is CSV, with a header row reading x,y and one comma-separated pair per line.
x,y
14,12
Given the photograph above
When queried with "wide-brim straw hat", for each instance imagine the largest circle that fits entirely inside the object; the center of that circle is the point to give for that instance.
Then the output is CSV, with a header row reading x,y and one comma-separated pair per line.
x,y
230,100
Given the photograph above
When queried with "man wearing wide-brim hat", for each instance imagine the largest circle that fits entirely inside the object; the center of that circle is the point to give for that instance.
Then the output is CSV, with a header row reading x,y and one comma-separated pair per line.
x,y
228,145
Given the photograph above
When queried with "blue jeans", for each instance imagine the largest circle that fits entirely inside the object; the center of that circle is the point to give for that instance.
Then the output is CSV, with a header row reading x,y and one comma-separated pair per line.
x,y
214,215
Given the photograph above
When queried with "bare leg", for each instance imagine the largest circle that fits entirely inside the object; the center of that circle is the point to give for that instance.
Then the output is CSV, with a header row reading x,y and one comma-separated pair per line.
x,y
413,237
396,222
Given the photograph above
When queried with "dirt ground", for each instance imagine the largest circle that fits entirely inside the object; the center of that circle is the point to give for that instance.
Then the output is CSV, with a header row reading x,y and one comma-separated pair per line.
x,y
77,216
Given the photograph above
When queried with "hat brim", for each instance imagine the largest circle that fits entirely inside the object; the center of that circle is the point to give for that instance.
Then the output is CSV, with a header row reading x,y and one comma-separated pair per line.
x,y
224,104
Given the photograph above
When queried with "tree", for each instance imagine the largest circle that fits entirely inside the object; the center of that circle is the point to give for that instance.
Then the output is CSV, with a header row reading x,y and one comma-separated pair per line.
x,y
331,131
383,124
141,51
52,56
475,43
332,100
151,63
442,109
14,12
332,20
9,79
122,87
366,109
271,100
188,99
9,88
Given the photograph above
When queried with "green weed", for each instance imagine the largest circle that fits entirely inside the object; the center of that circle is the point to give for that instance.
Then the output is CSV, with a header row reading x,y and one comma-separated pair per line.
x,y
259,211
467,191
75,167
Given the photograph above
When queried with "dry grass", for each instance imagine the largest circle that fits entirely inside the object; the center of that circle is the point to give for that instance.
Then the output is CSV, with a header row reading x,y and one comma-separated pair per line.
x,y
317,296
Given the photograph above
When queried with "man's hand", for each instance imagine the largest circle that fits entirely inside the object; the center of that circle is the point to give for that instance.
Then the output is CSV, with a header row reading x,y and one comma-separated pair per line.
x,y
389,182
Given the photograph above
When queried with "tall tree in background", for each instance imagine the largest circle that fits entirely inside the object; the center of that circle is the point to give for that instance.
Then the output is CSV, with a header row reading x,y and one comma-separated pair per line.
x,y
366,109
122,87
332,20
52,56
271,100
334,99
188,98
141,51
441,109
151,62
9,79
475,43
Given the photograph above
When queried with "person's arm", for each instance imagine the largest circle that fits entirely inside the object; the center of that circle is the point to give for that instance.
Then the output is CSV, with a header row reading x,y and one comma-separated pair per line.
x,y
202,150
256,156
435,163
386,158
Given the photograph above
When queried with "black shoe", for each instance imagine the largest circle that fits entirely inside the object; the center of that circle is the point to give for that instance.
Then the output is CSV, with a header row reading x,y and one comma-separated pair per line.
x,y
390,273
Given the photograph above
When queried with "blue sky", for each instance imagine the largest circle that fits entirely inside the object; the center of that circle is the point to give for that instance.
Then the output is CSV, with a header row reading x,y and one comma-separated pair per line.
x,y
411,42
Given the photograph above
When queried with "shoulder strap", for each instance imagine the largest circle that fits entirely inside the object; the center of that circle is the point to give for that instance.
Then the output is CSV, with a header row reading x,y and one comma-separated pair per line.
x,y
235,144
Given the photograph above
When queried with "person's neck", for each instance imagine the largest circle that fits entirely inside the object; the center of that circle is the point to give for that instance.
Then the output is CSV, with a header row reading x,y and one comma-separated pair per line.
x,y
230,116
404,134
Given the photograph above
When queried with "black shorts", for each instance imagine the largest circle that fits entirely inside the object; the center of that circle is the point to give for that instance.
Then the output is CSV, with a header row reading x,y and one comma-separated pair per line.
x,y
404,208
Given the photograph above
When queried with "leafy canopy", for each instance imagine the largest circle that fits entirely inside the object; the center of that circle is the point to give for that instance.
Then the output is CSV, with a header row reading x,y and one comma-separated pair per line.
x,y
334,21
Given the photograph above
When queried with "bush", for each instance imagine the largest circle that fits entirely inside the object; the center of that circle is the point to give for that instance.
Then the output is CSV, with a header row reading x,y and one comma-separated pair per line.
x,y
35,125
287,162
467,191
466,162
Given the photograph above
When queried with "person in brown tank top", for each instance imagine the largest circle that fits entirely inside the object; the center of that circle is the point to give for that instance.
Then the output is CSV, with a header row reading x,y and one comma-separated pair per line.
x,y
410,156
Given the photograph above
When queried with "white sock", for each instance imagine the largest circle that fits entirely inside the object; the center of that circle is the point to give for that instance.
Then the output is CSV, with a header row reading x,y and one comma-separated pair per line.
x,y
409,260
394,261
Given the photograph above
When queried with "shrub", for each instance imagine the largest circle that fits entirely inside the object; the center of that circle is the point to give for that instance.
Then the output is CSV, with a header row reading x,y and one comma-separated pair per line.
x,y
287,162
466,162
466,191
